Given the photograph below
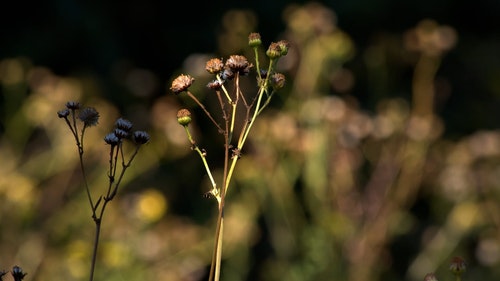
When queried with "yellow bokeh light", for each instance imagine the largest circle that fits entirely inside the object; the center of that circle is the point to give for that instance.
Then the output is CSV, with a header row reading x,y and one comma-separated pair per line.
x,y
151,205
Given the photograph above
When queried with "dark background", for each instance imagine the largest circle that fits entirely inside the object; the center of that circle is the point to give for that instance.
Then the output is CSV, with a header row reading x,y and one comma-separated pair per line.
x,y
90,36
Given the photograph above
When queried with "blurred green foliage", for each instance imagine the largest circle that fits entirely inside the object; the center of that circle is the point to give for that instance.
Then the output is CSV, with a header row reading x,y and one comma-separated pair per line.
x,y
375,163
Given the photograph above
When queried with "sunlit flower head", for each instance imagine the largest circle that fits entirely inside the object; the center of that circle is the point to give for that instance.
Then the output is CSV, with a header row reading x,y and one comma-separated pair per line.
x,y
214,66
181,83
238,63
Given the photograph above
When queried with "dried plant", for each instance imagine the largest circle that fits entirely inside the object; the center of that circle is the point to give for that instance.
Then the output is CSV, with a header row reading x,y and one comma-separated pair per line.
x,y
231,98
118,161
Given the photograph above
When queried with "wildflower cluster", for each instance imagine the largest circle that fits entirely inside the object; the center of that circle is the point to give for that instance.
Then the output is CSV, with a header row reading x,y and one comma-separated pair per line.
x,y
121,132
230,97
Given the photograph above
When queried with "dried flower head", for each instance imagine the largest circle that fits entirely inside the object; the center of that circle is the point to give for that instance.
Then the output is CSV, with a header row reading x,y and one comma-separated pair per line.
x,y
141,137
215,84
111,139
238,64
278,49
214,66
273,51
73,105
458,265
254,40
121,134
181,83
89,116
283,46
123,124
184,117
278,81
63,113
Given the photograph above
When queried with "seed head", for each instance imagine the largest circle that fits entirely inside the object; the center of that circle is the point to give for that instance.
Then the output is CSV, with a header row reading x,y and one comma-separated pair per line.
x,y
184,117
181,83
63,113
89,116
73,105
214,66
123,124
254,40
111,139
278,81
121,134
239,64
141,137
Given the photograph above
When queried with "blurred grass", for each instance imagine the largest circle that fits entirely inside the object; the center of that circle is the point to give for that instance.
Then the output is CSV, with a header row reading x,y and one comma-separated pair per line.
x,y
326,189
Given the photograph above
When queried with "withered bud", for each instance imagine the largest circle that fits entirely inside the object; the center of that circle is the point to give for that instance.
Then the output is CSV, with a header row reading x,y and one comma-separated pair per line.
x,y
215,85
141,137
214,66
181,83
184,117
123,124
73,105
121,134
254,40
278,81
278,49
111,139
283,45
63,113
273,51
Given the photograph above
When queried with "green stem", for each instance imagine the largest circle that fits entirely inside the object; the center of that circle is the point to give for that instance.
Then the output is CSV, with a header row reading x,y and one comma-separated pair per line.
x,y
202,156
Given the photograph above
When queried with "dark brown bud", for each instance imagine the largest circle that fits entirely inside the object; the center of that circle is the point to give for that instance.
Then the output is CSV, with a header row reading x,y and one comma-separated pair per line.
x,y
278,81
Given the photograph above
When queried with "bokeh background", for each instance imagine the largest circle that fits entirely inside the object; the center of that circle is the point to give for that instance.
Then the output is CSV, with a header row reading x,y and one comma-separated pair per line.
x,y
379,160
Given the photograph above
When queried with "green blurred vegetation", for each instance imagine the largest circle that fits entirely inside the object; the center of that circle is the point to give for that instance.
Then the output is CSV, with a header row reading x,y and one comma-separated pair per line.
x,y
370,166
